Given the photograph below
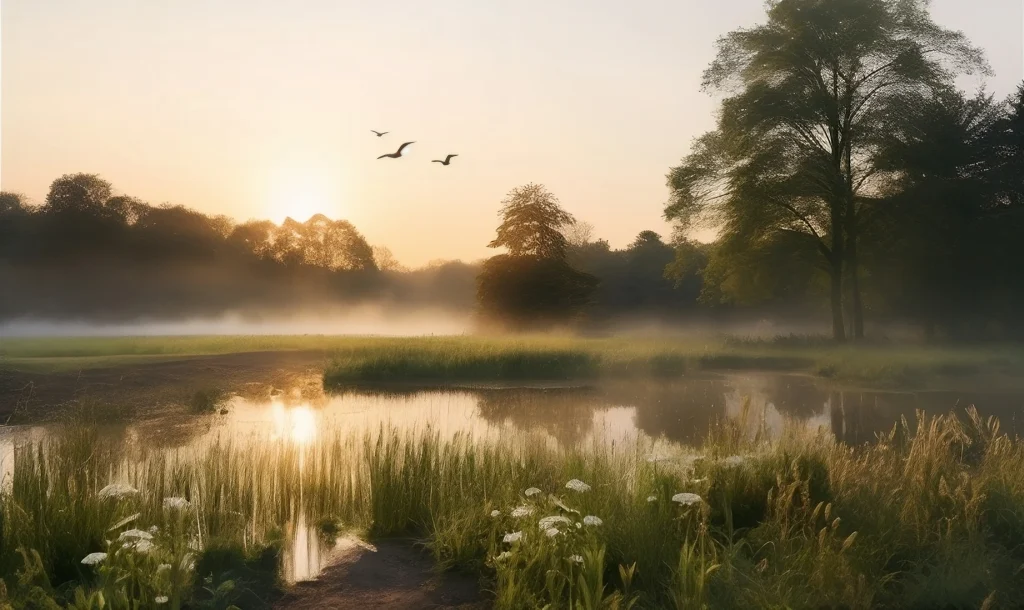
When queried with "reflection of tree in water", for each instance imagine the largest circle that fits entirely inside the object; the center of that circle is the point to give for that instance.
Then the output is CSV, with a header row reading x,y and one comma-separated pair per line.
x,y
681,411
567,414
794,396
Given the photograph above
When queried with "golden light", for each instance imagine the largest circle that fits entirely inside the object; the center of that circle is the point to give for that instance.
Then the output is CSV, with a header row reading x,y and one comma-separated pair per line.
x,y
297,424
303,425
301,192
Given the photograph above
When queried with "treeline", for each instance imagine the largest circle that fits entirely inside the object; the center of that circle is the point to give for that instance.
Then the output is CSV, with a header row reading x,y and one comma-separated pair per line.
x,y
86,253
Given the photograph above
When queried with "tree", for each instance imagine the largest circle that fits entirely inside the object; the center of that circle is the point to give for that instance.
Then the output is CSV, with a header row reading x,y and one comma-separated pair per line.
x,y
532,224
533,284
944,250
808,93
385,259
77,192
11,203
579,235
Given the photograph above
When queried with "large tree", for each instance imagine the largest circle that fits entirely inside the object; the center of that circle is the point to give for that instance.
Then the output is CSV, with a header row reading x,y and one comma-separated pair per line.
x,y
806,95
533,284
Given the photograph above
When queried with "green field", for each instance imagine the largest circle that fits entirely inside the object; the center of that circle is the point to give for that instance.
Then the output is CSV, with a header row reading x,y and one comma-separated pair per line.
x,y
473,358
932,516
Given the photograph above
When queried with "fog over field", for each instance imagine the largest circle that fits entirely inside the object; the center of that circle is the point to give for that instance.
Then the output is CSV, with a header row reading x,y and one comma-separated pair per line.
x,y
358,320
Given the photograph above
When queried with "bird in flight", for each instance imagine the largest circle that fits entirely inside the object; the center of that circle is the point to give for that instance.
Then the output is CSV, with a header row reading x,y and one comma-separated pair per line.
x,y
396,154
380,133
446,161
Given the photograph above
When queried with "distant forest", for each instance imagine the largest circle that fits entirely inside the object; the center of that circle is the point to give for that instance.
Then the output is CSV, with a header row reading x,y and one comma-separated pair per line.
x,y
86,253
848,179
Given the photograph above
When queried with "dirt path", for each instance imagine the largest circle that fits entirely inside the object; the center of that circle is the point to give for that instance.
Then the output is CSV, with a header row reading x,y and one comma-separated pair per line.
x,y
391,575
149,388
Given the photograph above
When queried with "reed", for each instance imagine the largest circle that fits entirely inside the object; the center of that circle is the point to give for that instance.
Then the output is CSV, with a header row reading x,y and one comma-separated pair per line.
x,y
928,516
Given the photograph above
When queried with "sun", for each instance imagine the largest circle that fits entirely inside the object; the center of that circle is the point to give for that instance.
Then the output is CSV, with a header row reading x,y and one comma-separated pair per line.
x,y
300,193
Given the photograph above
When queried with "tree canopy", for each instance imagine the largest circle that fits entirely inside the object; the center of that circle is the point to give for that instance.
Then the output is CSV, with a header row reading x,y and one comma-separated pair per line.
x,y
808,95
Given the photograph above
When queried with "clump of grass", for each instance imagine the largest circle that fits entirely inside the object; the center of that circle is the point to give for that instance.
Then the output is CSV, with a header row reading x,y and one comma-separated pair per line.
x,y
928,516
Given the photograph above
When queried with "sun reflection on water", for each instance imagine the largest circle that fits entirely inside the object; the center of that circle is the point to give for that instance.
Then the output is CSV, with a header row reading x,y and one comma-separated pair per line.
x,y
297,424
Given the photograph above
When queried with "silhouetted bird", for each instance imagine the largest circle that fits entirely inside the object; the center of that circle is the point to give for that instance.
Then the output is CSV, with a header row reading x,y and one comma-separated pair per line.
x,y
397,153
446,161
381,133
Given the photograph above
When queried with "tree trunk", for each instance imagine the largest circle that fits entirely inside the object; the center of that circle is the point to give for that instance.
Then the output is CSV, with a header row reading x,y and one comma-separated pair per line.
x,y
838,329
853,266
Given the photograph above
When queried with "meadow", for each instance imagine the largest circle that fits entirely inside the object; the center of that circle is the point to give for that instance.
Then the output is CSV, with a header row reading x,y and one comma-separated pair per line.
x,y
479,358
932,515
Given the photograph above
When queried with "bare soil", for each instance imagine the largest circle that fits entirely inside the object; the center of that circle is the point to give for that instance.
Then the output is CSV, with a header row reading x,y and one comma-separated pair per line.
x,y
391,575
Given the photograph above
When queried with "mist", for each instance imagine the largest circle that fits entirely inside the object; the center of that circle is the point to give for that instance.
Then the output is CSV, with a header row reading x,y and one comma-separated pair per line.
x,y
375,320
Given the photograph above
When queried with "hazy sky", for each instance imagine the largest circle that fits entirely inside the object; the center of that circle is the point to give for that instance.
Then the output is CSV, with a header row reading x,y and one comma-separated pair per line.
x,y
254,108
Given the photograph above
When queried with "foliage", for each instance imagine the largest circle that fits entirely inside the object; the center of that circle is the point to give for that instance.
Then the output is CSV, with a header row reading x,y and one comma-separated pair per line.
x,y
793,151
88,253
524,292
532,224
533,285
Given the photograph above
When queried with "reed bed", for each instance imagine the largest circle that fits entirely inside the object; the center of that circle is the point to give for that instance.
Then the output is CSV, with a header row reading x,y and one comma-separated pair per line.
x,y
932,515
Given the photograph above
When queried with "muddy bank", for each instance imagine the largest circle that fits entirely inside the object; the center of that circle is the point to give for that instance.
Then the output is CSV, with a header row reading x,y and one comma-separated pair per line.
x,y
390,574
150,388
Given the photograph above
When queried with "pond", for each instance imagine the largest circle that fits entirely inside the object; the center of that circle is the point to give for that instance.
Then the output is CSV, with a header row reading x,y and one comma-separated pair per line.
x,y
679,411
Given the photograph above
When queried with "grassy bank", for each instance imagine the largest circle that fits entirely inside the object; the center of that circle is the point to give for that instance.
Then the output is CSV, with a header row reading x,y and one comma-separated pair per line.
x,y
472,358
932,516
540,358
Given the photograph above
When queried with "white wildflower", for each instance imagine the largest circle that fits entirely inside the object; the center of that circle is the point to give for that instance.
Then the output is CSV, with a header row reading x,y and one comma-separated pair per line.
x,y
579,525
136,534
116,490
176,503
163,567
153,529
652,498
93,558
142,546
576,559
592,520
160,599
522,511
531,492
551,532
548,522
503,556
512,537
495,513
686,499
577,485
704,480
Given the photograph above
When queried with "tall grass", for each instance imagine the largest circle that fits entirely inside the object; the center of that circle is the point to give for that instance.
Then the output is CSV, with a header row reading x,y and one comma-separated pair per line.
x,y
930,516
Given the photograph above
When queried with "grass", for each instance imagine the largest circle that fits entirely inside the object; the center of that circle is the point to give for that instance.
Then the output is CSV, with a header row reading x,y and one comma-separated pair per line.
x,y
930,516
478,358
459,359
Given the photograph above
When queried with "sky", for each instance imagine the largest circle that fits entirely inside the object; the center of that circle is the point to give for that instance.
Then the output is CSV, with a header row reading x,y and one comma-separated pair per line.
x,y
259,109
